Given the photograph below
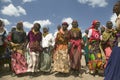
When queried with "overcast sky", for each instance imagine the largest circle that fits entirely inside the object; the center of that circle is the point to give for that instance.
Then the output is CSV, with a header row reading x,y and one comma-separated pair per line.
x,y
51,13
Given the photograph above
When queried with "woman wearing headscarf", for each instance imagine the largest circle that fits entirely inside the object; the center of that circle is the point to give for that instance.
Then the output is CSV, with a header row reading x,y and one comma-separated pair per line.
x,y
75,47
112,70
95,59
18,40
46,55
34,40
61,60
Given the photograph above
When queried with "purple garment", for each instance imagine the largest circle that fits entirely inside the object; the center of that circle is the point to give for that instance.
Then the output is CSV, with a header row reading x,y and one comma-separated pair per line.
x,y
34,41
34,37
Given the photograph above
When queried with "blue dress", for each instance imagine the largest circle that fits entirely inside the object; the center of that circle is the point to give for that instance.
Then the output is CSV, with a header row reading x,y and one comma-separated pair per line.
x,y
112,70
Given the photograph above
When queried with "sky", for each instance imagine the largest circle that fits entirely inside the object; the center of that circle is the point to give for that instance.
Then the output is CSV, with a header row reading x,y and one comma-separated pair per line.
x,y
51,13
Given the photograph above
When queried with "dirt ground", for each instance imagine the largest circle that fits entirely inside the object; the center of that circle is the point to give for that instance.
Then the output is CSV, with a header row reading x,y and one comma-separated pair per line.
x,y
6,75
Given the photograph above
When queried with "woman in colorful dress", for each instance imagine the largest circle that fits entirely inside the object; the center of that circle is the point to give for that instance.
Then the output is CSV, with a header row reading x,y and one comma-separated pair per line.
x,y
75,47
55,45
18,61
34,40
112,70
46,55
61,61
95,60
108,38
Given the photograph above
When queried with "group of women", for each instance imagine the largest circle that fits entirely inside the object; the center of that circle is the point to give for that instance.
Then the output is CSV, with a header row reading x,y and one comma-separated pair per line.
x,y
37,51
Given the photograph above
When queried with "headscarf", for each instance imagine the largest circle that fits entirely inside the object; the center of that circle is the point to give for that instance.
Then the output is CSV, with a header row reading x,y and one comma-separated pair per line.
x,y
93,24
65,23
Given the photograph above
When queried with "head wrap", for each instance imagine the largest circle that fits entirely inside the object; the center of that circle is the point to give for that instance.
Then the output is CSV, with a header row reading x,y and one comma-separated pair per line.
x,y
65,23
93,24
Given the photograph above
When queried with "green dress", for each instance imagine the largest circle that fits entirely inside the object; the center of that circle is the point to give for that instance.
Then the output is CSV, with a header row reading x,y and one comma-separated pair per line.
x,y
86,49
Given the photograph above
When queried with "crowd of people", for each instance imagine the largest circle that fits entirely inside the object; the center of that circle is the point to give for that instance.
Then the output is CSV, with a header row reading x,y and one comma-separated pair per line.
x,y
41,51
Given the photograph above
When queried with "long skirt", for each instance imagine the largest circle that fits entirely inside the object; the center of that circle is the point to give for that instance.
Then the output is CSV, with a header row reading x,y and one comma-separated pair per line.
x,y
61,60
95,57
112,70
75,54
46,60
18,63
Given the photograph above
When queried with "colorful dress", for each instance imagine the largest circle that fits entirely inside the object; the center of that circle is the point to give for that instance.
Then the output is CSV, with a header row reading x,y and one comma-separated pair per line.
x,y
46,55
61,59
95,57
108,39
75,48
19,64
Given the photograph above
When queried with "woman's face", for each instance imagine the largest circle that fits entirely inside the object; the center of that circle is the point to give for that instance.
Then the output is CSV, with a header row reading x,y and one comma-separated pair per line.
x,y
36,28
97,25
74,25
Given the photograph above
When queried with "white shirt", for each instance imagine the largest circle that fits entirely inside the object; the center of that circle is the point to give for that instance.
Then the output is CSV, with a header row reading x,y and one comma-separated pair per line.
x,y
48,40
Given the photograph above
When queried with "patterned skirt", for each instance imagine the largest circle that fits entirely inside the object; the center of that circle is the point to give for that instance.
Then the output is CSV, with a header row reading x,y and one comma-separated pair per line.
x,y
18,63
61,59
95,57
